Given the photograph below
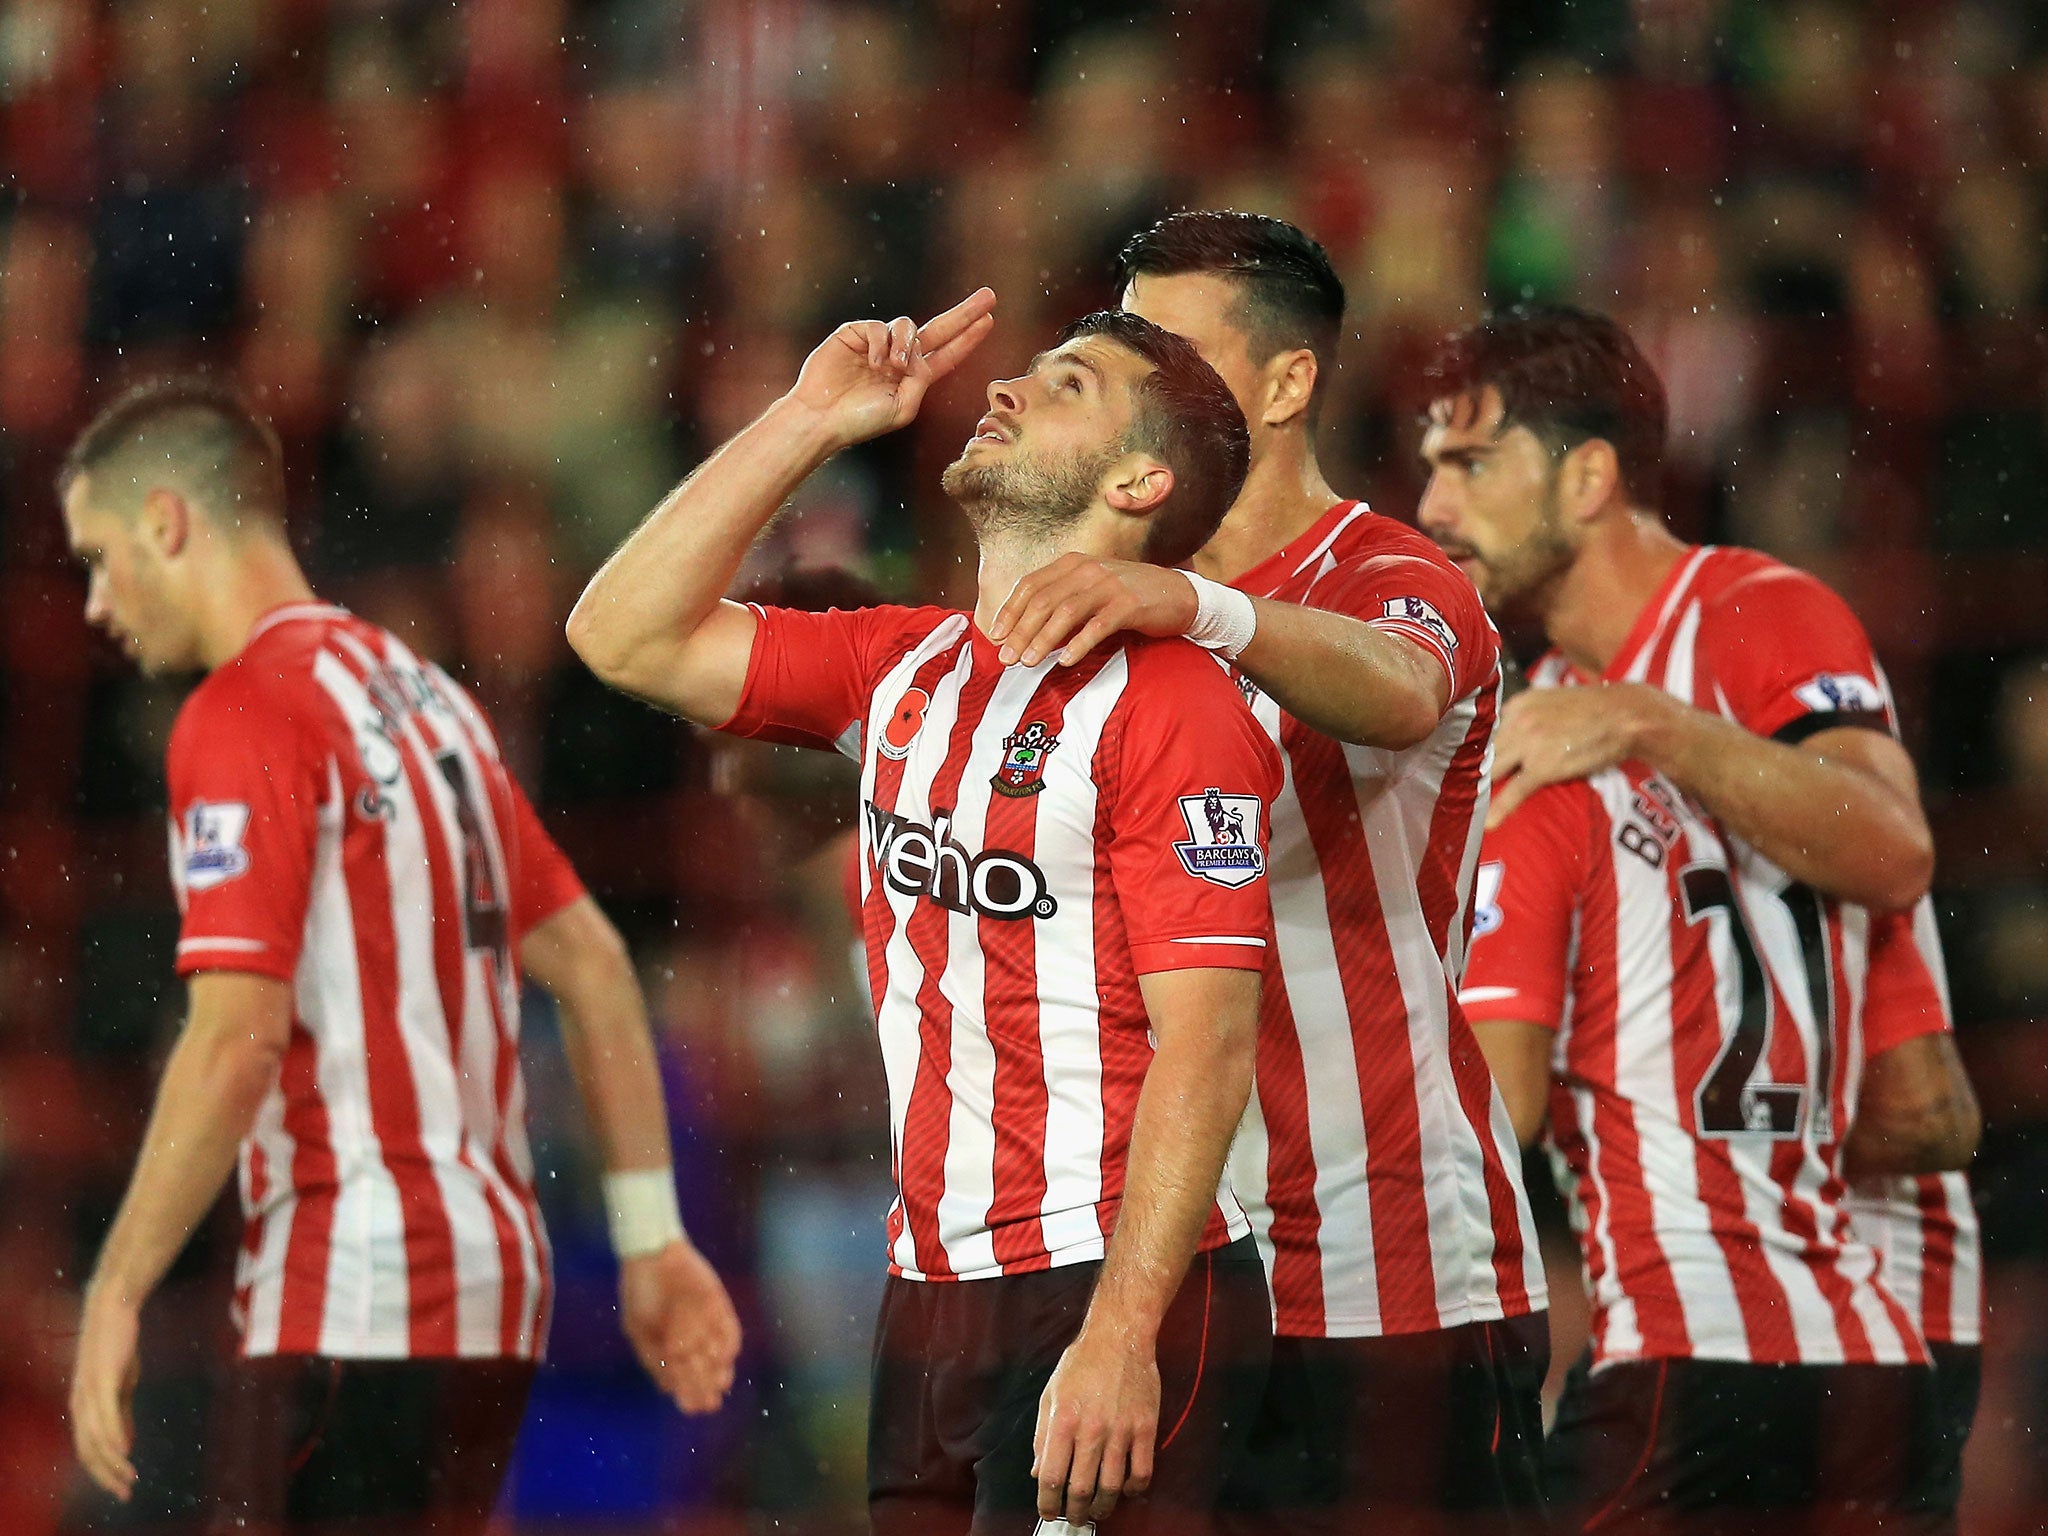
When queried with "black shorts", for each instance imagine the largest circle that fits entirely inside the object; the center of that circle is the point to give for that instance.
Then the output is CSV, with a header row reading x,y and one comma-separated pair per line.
x,y
1941,1430
960,1367
1421,1433
317,1447
1723,1448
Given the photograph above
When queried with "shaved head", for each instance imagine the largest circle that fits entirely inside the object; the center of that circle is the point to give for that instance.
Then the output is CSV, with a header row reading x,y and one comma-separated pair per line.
x,y
190,435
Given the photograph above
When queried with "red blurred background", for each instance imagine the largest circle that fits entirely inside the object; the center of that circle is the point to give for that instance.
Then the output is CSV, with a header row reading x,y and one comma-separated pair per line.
x,y
501,270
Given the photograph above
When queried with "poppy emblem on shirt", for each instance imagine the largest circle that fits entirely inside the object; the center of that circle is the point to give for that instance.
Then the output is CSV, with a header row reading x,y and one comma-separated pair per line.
x,y
1223,838
214,853
1024,758
904,724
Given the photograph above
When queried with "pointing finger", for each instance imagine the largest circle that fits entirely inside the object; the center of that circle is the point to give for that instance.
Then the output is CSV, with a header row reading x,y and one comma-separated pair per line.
x,y
942,329
948,357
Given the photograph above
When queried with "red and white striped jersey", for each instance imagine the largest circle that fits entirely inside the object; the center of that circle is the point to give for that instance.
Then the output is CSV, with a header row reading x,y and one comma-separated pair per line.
x,y
340,820
1745,636
1033,840
1706,1066
1377,1162
1924,1229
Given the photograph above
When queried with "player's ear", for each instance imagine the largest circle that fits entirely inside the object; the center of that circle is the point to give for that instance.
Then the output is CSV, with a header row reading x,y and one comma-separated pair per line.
x,y
1137,484
1289,379
166,521
1589,479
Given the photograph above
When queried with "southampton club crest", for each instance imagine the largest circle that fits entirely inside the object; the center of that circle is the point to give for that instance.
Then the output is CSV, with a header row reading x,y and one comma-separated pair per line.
x,y
1024,758
1223,838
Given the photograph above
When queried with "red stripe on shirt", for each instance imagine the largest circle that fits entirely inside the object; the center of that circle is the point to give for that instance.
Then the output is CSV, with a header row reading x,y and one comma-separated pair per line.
x,y
927,1121
1010,1009
1450,828
878,919
1646,1273
448,863
1297,1221
315,1180
1379,1024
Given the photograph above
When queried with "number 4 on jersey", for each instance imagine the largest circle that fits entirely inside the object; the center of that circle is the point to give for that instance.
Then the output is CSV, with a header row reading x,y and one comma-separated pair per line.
x,y
484,924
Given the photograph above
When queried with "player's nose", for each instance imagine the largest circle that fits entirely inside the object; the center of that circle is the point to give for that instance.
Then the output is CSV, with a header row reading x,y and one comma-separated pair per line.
x,y
1006,395
1434,514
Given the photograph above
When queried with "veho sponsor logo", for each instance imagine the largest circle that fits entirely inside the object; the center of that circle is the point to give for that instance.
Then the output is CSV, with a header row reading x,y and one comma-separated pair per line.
x,y
917,860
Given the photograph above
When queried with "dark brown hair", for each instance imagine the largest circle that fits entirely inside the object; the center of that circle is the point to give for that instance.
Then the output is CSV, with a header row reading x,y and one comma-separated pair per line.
x,y
1188,420
1569,376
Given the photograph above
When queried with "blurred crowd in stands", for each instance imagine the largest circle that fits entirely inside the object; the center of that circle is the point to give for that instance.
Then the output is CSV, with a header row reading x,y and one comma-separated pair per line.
x,y
502,270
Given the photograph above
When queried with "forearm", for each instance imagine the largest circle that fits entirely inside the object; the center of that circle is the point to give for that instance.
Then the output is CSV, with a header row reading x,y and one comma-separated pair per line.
x,y
611,1055
1917,1112
1832,826
212,1088
1518,1055
668,577
1340,676
1188,1110
1934,1146
578,957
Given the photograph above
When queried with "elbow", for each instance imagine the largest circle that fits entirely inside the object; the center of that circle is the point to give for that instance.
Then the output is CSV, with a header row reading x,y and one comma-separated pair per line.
x,y
1408,717
598,968
1941,1138
1907,875
242,1068
594,646
1961,1131
1414,723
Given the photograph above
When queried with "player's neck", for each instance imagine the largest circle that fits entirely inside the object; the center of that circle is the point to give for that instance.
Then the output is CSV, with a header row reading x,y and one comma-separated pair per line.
x,y
245,585
1595,604
1283,496
1008,555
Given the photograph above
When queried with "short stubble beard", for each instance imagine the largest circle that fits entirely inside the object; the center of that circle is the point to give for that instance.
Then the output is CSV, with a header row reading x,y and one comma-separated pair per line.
x,y
1523,578
1021,497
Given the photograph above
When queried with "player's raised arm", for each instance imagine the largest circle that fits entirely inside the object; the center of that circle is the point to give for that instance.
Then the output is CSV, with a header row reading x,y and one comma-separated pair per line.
x,y
1839,811
652,622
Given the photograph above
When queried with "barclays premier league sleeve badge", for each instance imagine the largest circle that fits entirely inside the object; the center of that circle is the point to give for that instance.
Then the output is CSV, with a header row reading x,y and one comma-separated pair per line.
x,y
1223,838
212,843
1024,758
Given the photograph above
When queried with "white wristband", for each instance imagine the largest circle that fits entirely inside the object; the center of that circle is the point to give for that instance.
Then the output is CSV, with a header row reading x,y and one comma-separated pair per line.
x,y
640,1205
1224,617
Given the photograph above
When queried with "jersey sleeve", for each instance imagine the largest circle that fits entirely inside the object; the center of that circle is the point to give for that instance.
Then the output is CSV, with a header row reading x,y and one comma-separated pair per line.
x,y
1432,605
245,809
1195,784
543,879
1525,902
810,676
1787,658
1904,995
